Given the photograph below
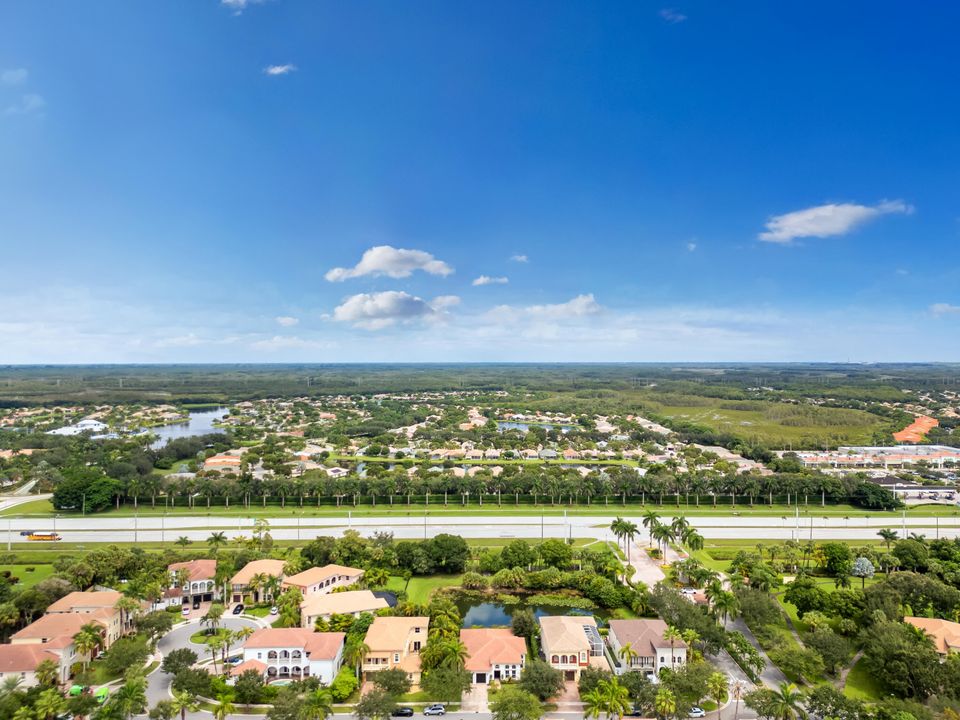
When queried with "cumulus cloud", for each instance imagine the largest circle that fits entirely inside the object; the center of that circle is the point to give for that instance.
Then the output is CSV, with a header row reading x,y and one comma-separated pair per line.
x,y
672,16
392,262
14,76
374,311
279,69
827,220
939,309
487,280
519,258
287,321
579,307
29,104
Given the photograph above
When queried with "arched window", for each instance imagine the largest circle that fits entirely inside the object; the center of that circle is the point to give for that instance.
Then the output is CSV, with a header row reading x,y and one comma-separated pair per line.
x,y
556,659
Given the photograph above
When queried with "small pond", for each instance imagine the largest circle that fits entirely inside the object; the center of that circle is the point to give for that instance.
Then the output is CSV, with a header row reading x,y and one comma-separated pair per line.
x,y
524,427
198,423
477,613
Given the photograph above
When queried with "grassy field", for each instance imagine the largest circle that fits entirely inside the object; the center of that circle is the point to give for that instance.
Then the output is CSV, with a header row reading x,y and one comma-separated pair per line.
x,y
29,579
861,685
420,588
43,509
777,424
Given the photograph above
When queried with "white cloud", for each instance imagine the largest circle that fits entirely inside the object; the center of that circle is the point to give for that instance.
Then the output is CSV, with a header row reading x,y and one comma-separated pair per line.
x,y
519,258
392,262
289,342
939,309
279,69
578,307
691,247
238,6
672,16
827,220
14,76
487,280
374,311
27,105
287,321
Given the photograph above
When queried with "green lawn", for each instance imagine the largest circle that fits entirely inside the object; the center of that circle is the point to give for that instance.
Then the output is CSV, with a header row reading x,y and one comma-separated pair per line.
x,y
29,579
201,637
861,685
420,588
436,508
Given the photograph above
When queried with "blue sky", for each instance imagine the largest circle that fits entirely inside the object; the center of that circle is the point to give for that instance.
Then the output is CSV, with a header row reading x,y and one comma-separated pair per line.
x,y
286,180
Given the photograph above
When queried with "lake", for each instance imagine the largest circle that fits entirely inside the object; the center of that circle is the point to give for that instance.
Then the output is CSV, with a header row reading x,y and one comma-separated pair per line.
x,y
494,614
198,423
524,427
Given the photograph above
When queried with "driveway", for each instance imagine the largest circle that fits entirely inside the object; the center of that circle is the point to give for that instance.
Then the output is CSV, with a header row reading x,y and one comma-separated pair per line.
x,y
475,699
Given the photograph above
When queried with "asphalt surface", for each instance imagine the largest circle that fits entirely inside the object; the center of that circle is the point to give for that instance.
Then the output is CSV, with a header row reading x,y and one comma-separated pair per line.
x,y
404,525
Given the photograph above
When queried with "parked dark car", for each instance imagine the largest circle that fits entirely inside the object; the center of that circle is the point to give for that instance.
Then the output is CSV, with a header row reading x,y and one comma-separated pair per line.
x,y
237,609
196,604
402,712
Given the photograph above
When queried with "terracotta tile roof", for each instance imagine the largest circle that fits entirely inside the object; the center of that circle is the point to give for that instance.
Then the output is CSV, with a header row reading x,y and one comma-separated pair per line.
x,y
23,658
945,634
389,634
202,569
642,634
565,632
492,646
240,669
91,599
314,575
320,646
273,568
55,625
344,603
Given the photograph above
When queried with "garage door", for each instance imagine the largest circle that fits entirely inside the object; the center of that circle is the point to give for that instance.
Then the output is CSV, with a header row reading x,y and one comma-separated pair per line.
x,y
482,678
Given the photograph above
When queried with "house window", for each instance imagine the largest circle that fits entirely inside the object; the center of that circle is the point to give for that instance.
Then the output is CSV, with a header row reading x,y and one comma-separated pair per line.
x,y
556,659
662,659
396,657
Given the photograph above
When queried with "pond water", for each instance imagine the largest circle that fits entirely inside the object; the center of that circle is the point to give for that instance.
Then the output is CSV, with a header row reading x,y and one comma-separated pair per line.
x,y
524,427
198,423
494,614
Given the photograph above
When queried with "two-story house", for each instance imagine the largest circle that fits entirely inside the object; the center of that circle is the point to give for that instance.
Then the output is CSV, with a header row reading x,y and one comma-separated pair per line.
x,y
21,661
247,581
493,654
648,651
571,643
100,606
395,642
193,581
292,653
351,602
49,637
324,579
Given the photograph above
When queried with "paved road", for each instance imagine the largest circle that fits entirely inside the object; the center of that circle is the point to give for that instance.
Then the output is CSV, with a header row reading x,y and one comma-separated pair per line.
x,y
404,525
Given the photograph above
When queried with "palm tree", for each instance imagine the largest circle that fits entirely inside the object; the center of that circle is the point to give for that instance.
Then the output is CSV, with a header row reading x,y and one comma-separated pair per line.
x,y
86,642
47,672
317,706
594,703
663,535
628,654
672,636
185,701
737,689
616,697
691,637
131,697
717,687
183,541
49,704
651,520
216,540
726,605
23,713
128,608
224,707
786,702
377,577
355,652
10,685
665,703
454,654
888,535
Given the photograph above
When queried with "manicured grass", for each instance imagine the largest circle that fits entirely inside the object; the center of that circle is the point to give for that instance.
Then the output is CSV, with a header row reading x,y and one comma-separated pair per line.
x,y
202,638
861,685
257,611
29,579
436,508
420,588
